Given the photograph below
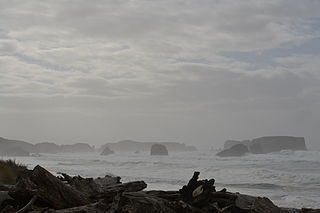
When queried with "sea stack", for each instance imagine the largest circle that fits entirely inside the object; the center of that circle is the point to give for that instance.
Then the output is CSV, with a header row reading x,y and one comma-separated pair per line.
x,y
235,151
107,151
263,145
269,144
158,149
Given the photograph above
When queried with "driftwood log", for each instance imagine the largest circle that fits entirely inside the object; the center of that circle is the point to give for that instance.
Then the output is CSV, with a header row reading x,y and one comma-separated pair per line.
x,y
42,192
49,189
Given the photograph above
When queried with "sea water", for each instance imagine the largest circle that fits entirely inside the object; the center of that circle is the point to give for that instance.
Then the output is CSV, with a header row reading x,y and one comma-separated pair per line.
x,y
288,178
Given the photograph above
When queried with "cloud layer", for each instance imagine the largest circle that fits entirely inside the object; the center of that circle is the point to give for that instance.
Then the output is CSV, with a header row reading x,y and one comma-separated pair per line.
x,y
98,71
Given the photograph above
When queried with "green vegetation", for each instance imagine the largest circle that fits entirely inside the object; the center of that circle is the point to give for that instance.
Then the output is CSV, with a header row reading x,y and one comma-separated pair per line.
x,y
8,171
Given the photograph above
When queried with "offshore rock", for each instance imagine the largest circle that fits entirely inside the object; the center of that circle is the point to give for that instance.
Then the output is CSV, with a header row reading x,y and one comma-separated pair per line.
x,y
234,151
158,149
269,144
107,151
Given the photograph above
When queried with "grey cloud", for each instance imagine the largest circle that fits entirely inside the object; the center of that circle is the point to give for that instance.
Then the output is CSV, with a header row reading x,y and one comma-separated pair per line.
x,y
157,63
8,47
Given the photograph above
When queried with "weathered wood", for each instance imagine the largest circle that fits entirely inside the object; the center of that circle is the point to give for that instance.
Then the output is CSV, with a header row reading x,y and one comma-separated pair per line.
x,y
140,202
168,195
127,187
107,181
54,192
29,205
50,191
84,185
198,192
5,187
304,210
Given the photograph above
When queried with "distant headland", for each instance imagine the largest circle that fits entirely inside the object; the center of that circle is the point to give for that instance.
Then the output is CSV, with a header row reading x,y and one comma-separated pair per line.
x,y
9,147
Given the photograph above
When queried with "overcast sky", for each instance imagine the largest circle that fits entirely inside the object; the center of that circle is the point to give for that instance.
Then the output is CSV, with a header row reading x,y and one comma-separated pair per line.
x,y
198,72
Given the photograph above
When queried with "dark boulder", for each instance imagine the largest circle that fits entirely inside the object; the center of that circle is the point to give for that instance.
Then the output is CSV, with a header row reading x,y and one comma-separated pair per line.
x,y
158,149
107,151
235,151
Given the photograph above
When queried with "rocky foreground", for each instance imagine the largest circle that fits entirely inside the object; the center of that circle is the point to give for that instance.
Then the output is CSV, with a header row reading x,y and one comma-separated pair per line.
x,y
39,191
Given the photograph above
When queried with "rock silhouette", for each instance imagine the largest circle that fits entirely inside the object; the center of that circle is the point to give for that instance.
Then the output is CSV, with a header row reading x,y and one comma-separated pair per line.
x,y
235,151
107,151
158,149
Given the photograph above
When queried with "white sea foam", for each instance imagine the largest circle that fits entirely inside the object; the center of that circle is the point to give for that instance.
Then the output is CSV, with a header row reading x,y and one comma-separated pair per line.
x,y
289,178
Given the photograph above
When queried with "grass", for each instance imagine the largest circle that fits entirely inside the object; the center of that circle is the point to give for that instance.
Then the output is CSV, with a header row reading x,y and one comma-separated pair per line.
x,y
8,171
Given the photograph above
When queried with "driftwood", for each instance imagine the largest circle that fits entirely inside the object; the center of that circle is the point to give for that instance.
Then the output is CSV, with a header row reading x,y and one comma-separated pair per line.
x,y
127,187
197,193
134,202
50,190
28,206
45,193
84,185
107,181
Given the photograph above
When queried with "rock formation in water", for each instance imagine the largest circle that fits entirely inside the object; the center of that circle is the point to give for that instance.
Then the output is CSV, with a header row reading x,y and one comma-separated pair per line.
x,y
264,145
132,146
230,143
235,151
269,144
107,151
77,147
47,147
158,149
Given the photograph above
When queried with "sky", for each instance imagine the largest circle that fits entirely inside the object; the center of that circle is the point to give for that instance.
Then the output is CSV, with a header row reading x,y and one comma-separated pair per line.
x,y
197,72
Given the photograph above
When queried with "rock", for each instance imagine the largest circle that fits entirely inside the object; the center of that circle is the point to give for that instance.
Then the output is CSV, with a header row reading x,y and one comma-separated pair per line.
x,y
132,146
269,144
77,147
264,145
230,143
158,149
46,147
107,151
234,151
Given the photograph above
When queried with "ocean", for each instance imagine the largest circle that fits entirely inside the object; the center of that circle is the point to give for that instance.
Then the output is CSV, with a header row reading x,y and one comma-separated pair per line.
x,y
288,178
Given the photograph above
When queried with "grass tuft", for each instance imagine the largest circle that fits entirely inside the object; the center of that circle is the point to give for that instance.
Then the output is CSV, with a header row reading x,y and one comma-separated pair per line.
x,y
8,171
